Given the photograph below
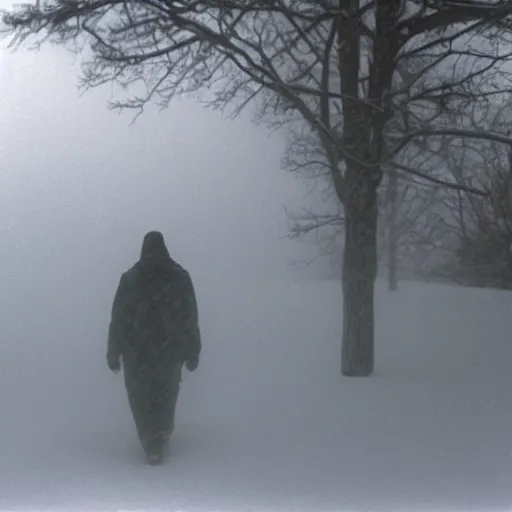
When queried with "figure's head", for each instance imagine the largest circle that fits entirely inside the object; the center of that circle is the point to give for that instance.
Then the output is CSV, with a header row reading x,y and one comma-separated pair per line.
x,y
154,246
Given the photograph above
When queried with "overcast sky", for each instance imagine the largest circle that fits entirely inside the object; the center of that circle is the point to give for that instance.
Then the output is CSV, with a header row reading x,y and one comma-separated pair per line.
x,y
79,187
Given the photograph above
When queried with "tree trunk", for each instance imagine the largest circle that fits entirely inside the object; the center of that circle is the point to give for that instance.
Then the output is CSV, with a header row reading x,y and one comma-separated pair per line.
x,y
366,110
392,233
359,273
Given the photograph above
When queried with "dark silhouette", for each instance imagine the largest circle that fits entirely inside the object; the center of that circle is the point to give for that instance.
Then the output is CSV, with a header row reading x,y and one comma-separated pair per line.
x,y
154,329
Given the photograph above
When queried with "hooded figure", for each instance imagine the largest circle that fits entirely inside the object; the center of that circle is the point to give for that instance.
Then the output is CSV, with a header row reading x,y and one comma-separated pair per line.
x,y
154,328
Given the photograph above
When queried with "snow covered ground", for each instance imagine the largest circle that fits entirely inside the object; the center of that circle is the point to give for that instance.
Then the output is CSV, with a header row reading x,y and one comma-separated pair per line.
x,y
267,423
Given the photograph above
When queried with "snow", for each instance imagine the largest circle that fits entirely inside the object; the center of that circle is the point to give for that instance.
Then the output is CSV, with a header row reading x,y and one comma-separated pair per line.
x,y
267,423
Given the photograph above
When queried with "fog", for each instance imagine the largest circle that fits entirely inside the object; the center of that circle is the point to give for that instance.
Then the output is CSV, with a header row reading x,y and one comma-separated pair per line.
x,y
80,185
266,422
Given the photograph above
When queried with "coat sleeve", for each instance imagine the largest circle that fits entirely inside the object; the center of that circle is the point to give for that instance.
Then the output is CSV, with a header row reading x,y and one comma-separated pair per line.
x,y
120,320
191,322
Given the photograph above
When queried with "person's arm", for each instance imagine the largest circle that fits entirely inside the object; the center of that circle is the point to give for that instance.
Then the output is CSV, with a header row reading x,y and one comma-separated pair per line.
x,y
118,326
191,327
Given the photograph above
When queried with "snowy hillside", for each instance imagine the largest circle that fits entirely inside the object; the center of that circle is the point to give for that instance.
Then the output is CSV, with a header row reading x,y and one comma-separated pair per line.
x,y
267,423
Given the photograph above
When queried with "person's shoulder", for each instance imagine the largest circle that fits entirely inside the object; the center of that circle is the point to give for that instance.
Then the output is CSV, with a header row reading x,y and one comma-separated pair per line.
x,y
133,270
176,267
181,271
131,275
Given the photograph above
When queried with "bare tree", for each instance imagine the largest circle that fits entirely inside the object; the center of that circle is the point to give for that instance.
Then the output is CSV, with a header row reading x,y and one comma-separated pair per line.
x,y
406,209
406,202
304,56
480,241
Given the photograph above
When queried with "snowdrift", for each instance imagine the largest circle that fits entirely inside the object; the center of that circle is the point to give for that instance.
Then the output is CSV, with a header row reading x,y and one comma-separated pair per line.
x,y
267,423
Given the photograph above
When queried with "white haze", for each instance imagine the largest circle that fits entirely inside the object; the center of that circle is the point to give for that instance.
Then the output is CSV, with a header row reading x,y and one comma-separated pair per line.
x,y
266,423
79,187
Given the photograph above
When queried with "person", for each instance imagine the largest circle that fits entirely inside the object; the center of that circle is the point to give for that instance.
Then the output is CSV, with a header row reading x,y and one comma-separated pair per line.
x,y
154,329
